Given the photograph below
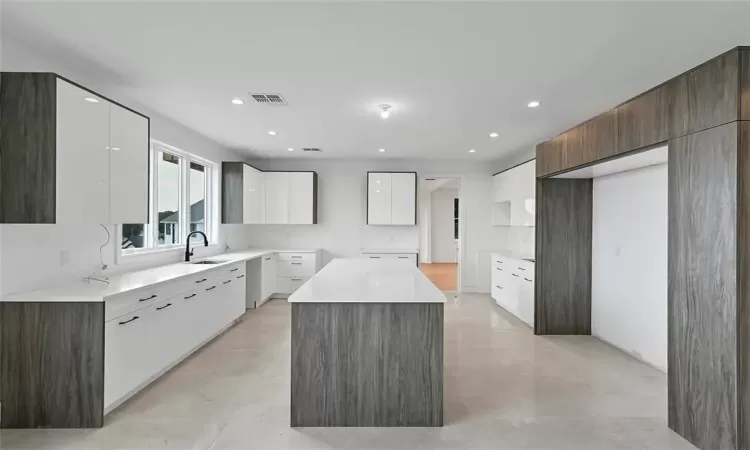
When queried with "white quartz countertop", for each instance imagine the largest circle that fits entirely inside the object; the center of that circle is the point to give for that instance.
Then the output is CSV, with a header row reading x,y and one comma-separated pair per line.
x,y
390,251
95,291
514,255
362,280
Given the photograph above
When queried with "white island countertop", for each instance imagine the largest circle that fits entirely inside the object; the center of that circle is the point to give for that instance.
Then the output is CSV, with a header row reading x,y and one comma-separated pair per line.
x,y
361,280
95,291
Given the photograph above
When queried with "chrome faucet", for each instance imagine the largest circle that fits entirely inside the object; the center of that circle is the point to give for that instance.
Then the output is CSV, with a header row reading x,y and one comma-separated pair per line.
x,y
188,251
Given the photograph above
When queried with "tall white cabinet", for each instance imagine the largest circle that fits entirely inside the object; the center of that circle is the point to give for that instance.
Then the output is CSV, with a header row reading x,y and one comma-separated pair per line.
x,y
277,197
80,158
254,196
515,196
391,198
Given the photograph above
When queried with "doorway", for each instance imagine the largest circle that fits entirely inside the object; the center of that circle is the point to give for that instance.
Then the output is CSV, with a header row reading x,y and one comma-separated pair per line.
x,y
440,231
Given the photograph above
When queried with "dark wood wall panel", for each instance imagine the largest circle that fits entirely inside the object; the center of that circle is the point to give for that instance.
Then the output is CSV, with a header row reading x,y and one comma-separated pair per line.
x,y
600,137
549,156
563,256
232,191
52,365
367,364
745,84
28,124
704,97
643,121
743,285
702,294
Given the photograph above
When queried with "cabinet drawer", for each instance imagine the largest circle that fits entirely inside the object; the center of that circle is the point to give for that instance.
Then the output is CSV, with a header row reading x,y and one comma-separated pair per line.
x,y
295,268
289,285
296,257
233,271
132,301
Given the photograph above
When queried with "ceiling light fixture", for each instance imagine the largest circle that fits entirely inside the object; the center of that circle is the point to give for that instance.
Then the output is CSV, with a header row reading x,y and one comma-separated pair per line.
x,y
381,150
237,101
472,151
533,104
494,135
290,149
384,113
91,100
272,133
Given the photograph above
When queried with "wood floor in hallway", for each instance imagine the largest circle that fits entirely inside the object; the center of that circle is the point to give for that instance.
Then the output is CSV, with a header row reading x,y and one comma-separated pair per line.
x,y
443,275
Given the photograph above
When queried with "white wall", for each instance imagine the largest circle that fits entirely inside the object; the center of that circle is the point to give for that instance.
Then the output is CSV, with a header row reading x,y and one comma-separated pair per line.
x,y
34,256
442,233
342,195
629,262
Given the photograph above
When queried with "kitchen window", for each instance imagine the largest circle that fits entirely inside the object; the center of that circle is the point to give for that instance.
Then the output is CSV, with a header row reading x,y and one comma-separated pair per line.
x,y
183,191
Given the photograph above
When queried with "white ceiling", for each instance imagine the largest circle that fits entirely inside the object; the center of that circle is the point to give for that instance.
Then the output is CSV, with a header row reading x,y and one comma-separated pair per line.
x,y
453,71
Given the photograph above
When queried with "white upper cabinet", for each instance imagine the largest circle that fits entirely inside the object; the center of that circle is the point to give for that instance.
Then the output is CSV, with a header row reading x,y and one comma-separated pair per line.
x,y
515,196
404,199
277,197
302,197
128,166
391,198
379,199
254,195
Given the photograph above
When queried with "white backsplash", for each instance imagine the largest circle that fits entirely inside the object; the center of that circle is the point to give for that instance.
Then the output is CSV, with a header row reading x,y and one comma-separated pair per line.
x,y
521,240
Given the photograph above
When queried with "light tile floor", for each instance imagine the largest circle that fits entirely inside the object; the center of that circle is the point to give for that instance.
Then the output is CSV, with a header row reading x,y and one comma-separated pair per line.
x,y
504,389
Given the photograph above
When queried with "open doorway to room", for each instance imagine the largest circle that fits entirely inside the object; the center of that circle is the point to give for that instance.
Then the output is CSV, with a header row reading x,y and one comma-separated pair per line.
x,y
440,231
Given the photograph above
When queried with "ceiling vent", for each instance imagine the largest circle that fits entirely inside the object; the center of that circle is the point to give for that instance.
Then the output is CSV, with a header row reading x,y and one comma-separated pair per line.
x,y
312,150
269,99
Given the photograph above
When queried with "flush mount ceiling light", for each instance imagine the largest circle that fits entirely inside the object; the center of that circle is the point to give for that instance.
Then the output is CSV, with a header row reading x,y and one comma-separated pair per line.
x,y
493,135
272,133
384,113
472,151
533,104
290,149
381,150
237,101
91,100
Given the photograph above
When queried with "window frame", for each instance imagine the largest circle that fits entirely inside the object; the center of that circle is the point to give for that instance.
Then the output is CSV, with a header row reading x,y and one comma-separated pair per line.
x,y
151,232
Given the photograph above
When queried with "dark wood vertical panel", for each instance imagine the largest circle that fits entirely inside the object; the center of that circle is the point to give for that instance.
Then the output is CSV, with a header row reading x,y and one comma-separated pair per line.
x,y
745,84
643,121
563,256
549,156
573,150
315,198
52,365
743,285
232,190
600,137
702,292
705,97
28,123
367,364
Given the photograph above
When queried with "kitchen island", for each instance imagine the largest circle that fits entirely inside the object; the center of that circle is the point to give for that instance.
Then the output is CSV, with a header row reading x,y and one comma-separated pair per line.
x,y
367,347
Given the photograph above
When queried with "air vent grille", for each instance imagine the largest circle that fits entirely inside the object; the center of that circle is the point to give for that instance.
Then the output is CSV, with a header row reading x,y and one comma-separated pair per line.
x,y
312,149
269,99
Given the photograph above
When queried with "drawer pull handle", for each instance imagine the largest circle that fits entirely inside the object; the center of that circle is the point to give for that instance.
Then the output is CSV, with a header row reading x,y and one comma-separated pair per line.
x,y
227,282
499,262
499,287
526,279
268,259
164,307
521,268
296,256
403,257
515,274
201,280
147,298
241,276
296,264
190,296
211,288
235,269
374,257
497,268
128,321
296,279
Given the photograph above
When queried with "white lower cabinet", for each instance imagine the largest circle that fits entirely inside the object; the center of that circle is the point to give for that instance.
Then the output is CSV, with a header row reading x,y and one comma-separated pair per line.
x,y
125,355
513,286
294,269
268,276
406,257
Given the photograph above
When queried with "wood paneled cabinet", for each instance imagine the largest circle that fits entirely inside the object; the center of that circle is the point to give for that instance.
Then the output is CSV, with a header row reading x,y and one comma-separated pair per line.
x,y
391,198
69,155
252,196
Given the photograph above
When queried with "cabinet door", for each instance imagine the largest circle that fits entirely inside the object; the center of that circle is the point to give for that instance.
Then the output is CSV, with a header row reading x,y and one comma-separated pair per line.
x,y
403,199
253,196
277,197
523,200
128,166
379,199
268,285
126,355
301,195
82,162
164,331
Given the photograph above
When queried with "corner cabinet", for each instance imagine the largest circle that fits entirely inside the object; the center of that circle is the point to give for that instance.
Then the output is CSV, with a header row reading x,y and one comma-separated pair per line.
x,y
69,155
251,196
391,198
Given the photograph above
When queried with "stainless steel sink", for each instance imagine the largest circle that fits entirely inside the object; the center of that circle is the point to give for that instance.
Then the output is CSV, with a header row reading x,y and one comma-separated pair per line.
x,y
210,261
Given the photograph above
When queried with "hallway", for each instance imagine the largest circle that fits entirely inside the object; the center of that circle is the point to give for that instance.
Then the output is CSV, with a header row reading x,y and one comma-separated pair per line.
x,y
442,275
504,389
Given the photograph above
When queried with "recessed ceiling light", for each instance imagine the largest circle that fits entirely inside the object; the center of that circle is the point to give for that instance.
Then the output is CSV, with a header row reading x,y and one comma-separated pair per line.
x,y
272,133
237,101
91,100
533,104
384,113
290,149
472,151
381,150
493,135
